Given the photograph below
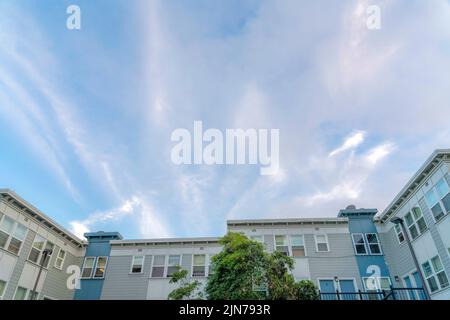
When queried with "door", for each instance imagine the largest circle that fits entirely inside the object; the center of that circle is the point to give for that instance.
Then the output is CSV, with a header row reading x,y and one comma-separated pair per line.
x,y
408,284
327,290
347,287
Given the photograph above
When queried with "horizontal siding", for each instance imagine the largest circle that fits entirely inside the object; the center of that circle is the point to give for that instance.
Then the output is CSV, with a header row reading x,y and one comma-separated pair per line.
x,y
397,256
14,280
55,285
120,284
339,262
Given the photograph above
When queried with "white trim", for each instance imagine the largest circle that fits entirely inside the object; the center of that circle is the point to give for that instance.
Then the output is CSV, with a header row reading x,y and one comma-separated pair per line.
x,y
179,264
11,234
153,265
326,241
4,289
93,267
132,264
290,245
96,266
364,243
63,260
192,265
378,243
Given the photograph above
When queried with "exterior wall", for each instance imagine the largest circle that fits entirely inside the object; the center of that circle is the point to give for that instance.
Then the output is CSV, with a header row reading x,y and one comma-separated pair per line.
x,y
17,270
366,263
434,241
121,284
338,262
99,246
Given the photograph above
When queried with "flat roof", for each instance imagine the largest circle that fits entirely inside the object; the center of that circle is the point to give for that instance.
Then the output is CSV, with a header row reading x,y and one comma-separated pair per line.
x,y
25,207
292,221
419,177
166,241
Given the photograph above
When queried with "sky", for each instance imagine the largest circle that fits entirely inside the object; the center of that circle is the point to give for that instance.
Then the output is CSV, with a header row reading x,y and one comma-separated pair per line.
x,y
86,115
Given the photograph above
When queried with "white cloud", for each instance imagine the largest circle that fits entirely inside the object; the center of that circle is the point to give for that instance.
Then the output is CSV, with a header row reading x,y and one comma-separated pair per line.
x,y
351,142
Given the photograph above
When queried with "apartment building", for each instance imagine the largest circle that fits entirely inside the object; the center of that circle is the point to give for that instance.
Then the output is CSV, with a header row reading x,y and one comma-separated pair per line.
x,y
424,205
25,234
359,250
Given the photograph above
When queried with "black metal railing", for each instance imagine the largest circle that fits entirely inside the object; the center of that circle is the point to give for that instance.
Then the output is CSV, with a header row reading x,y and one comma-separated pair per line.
x,y
389,294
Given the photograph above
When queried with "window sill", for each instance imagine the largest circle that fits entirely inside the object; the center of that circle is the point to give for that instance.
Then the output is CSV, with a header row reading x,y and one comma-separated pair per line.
x,y
9,252
37,265
440,291
442,219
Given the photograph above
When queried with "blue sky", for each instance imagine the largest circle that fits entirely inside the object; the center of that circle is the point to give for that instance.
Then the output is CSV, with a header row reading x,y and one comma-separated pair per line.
x,y
86,115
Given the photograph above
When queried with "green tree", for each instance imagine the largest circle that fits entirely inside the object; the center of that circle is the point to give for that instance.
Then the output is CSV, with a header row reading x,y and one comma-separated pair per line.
x,y
306,290
243,266
187,289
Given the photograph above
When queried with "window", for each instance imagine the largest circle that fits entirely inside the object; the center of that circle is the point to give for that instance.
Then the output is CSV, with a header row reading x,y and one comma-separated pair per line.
x,y
88,267
2,287
48,246
434,204
444,193
17,239
415,222
32,295
198,267
321,242
435,274
21,293
281,244
158,266
359,243
374,244
210,266
297,246
100,267
400,235
257,239
173,265
376,283
137,265
36,249
59,262
12,234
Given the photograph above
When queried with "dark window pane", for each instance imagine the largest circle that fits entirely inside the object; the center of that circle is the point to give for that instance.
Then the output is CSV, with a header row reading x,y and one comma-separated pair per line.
x,y
437,212
14,245
446,201
3,239
413,231
375,249
422,225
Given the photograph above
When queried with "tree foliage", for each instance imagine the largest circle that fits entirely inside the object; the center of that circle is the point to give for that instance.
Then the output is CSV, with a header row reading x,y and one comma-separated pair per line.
x,y
243,266
187,289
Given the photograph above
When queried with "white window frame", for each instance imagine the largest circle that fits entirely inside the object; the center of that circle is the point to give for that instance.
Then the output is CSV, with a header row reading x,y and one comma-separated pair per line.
x,y
58,258
4,288
378,283
93,267
164,266
291,253
317,243
364,243
25,296
400,231
11,234
287,243
132,264
415,223
96,267
49,257
168,265
434,275
377,243
193,265
438,201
